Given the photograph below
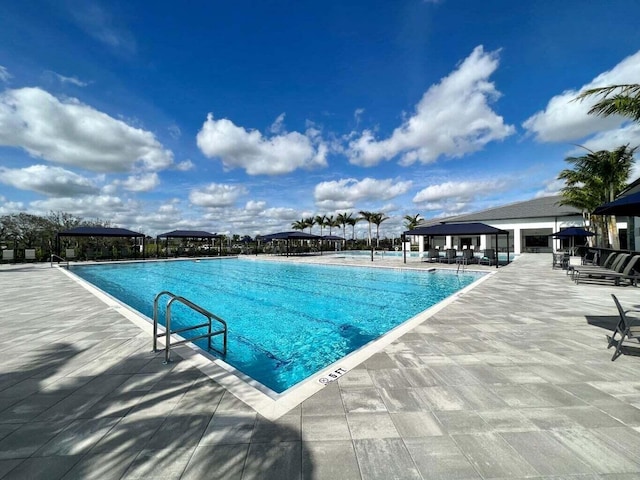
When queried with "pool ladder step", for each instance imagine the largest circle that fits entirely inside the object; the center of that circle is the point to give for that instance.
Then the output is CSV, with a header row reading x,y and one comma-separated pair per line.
x,y
168,344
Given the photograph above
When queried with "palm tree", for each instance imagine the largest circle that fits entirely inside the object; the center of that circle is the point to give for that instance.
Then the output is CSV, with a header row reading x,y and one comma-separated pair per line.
x,y
615,100
310,222
411,221
367,216
330,222
299,225
321,221
377,218
343,219
352,223
596,178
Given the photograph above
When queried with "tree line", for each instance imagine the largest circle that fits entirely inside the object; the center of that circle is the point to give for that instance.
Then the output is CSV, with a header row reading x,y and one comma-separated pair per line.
x,y
346,218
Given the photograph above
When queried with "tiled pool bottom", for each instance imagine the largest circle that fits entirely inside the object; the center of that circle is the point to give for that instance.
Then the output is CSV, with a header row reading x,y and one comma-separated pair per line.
x,y
264,400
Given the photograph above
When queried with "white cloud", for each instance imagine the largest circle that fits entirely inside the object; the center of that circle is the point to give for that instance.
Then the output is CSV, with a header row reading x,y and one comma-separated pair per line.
x,y
63,79
140,183
462,192
72,133
102,25
216,195
345,193
4,74
185,166
54,181
174,131
107,207
256,154
7,207
565,120
357,115
611,139
277,126
453,118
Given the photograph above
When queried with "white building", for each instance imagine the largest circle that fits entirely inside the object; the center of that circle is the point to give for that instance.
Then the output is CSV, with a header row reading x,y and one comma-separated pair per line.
x,y
529,223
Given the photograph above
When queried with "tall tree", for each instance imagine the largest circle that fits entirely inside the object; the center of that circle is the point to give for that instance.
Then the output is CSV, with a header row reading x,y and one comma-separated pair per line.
x,y
621,100
368,217
352,223
299,225
310,221
321,221
377,219
343,219
331,222
597,178
411,221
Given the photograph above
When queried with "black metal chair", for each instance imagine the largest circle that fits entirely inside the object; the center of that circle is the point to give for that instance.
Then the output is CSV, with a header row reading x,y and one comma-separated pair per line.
x,y
628,328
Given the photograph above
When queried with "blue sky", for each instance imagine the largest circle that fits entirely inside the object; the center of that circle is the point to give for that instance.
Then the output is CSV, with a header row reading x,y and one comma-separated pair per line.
x,y
242,117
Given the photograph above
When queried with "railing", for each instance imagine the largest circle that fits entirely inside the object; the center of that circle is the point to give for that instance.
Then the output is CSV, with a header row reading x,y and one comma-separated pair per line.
x,y
168,332
60,259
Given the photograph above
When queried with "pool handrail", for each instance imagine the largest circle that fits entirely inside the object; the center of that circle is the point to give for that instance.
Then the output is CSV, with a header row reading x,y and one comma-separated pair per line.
x,y
168,332
60,259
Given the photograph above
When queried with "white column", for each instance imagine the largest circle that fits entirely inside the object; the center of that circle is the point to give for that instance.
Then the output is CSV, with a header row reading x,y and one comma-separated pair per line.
x,y
420,246
517,241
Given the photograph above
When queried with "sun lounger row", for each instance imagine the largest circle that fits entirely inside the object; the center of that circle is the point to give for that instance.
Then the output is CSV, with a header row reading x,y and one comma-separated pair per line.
x,y
616,268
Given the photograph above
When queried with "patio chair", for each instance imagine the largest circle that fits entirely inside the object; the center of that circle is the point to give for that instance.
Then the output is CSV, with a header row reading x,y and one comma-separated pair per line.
x,y
627,328
628,273
433,255
468,256
488,257
30,254
561,260
622,268
613,264
70,253
449,256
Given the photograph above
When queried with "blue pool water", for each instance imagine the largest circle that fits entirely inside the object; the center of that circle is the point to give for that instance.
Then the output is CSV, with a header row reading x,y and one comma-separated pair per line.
x,y
286,321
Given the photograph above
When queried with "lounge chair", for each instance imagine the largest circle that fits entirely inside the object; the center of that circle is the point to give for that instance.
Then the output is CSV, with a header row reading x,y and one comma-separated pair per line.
x,y
70,253
618,273
449,256
432,255
488,257
468,256
613,263
628,328
30,254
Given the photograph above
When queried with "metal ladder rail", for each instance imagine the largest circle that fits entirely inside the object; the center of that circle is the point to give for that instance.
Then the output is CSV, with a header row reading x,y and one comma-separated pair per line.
x,y
462,262
168,332
53,255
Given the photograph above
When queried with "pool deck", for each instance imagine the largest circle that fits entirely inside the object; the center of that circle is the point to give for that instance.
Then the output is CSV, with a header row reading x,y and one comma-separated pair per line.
x,y
511,380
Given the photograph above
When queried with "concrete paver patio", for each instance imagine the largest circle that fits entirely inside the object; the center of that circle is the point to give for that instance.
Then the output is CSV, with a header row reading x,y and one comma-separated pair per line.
x,y
511,380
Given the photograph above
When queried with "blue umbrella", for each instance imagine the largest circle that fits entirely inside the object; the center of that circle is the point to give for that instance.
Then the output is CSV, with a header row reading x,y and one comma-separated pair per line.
x,y
628,205
572,233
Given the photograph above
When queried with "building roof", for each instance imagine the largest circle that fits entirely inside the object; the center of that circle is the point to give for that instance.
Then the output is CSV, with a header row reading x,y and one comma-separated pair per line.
x,y
442,229
538,207
289,236
188,234
99,232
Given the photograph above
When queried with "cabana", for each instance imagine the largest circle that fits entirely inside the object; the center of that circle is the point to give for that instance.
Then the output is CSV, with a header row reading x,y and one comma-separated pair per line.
x,y
197,235
288,236
457,229
101,232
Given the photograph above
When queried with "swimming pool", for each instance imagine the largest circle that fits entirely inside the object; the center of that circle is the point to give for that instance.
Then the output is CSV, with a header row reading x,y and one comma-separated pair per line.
x,y
286,321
